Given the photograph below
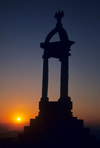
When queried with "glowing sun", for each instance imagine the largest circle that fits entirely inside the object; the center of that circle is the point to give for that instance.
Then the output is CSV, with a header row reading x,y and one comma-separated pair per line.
x,y
18,119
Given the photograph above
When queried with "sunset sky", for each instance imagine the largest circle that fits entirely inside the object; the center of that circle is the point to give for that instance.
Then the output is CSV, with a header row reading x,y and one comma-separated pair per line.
x,y
24,24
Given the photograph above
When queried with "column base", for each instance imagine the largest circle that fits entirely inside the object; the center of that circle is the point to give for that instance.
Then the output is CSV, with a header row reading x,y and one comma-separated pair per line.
x,y
44,99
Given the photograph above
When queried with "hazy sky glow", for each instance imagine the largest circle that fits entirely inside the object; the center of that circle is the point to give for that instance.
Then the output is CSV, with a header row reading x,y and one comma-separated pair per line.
x,y
23,25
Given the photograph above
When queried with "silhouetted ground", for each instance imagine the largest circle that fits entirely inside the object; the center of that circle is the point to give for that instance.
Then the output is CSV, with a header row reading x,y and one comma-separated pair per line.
x,y
13,143
12,134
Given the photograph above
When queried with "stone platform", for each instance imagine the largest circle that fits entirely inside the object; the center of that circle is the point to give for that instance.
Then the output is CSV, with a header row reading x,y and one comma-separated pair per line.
x,y
55,127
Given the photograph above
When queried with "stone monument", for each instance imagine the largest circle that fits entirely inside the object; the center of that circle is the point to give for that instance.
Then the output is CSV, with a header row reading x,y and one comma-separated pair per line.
x,y
55,126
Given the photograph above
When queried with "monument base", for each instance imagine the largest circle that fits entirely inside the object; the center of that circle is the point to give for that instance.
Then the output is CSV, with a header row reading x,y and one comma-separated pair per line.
x,y
55,127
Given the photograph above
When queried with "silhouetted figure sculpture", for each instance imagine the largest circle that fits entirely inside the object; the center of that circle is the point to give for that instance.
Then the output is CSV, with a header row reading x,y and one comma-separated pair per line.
x,y
55,126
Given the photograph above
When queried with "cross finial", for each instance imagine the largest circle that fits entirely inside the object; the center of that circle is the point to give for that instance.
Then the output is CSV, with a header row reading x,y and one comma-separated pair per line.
x,y
59,15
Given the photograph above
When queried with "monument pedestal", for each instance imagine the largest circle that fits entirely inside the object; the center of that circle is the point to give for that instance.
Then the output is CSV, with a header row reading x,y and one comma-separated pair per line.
x,y
55,127
55,109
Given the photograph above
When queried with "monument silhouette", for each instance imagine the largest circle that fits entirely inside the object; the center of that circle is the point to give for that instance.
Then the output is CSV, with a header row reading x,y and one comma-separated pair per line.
x,y
55,126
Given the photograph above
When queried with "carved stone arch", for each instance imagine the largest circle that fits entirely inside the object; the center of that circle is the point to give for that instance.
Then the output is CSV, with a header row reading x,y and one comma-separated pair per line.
x,y
62,34
50,35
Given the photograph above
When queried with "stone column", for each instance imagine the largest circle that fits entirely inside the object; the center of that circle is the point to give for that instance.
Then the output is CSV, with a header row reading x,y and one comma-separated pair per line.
x,y
45,81
64,79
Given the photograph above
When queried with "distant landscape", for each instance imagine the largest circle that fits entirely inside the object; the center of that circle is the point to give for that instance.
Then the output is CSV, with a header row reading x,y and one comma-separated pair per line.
x,y
11,130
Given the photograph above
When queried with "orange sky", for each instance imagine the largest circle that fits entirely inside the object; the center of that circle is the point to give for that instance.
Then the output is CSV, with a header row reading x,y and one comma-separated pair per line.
x,y
23,101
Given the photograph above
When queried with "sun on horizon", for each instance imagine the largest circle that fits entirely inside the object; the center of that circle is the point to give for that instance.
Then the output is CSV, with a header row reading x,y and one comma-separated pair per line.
x,y
18,119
